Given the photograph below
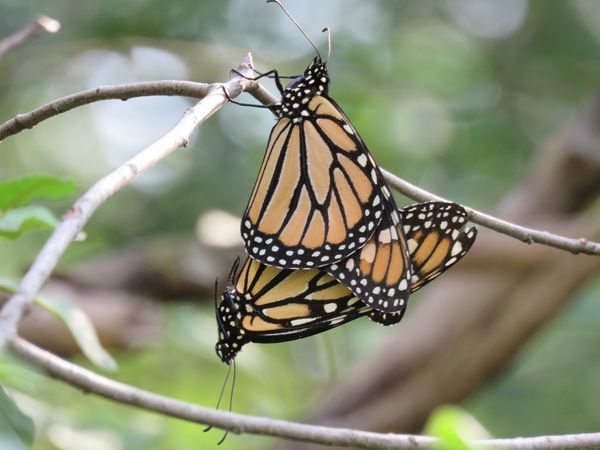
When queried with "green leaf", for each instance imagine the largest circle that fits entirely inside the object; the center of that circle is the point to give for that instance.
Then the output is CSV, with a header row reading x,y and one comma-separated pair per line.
x,y
17,222
454,427
19,192
77,322
81,328
13,422
19,374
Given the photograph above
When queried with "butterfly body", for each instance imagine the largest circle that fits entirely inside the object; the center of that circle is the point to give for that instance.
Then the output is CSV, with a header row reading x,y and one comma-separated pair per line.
x,y
298,93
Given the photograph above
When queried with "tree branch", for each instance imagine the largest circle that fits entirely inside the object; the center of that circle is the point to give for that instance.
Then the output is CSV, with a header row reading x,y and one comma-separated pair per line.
x,y
89,381
79,214
27,33
118,92
527,235
199,90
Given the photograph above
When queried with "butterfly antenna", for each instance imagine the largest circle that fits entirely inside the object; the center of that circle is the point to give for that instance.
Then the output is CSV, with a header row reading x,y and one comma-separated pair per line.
x,y
216,292
233,271
297,24
208,428
230,401
328,31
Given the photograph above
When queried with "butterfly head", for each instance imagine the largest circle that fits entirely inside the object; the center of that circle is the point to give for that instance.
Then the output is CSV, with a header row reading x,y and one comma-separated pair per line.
x,y
231,335
298,94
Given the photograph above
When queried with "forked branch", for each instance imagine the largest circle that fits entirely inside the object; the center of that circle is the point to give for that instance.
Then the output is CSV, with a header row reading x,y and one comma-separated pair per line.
x,y
239,423
75,219
41,24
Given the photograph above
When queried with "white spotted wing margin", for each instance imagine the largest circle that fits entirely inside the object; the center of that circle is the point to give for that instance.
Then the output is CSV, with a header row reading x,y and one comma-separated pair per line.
x,y
380,272
438,237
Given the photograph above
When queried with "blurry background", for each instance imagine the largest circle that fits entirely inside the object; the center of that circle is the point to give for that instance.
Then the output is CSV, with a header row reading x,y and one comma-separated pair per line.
x,y
457,96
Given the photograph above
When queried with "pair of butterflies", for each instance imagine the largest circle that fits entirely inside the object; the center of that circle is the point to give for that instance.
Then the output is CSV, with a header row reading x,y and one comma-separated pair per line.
x,y
320,203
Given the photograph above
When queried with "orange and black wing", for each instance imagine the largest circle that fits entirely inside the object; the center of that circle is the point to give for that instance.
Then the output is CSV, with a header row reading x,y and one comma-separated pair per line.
x,y
438,236
269,305
291,304
319,195
380,272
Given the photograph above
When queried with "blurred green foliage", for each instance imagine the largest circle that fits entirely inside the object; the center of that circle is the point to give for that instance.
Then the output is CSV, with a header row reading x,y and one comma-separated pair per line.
x,y
16,429
454,427
17,216
451,95
78,323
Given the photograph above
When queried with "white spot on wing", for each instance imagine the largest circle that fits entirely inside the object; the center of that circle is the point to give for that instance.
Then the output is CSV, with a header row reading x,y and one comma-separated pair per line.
x,y
385,237
412,245
302,321
456,249
330,307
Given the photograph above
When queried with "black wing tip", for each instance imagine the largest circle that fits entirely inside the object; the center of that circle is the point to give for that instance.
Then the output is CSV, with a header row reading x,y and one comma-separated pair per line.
x,y
448,206
383,298
386,319
468,235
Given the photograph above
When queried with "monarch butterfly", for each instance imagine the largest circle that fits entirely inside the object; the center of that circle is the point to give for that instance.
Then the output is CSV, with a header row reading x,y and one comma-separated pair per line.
x,y
269,304
319,195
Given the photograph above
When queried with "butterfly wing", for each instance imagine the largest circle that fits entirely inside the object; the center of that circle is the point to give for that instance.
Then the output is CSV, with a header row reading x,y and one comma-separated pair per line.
x,y
280,305
319,195
379,273
438,237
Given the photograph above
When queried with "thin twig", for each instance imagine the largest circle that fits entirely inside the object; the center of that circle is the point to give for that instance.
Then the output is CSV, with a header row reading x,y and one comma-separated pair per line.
x,y
119,92
79,214
27,33
527,235
89,381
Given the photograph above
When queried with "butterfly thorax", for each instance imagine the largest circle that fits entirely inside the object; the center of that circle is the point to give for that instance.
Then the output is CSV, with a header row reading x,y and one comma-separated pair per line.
x,y
297,95
231,335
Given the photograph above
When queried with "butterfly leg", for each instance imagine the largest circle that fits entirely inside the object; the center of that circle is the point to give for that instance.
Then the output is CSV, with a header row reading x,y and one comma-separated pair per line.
x,y
240,103
273,74
270,74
